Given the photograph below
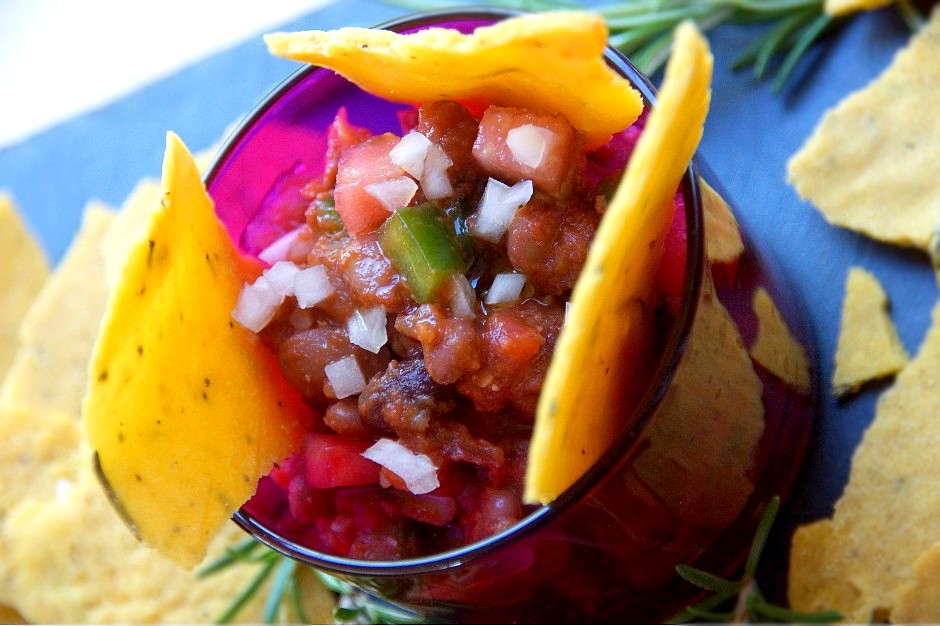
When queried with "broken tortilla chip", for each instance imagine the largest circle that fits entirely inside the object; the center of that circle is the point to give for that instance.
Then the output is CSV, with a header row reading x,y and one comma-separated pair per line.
x,y
920,601
23,271
543,62
169,372
870,165
886,518
49,370
580,407
94,571
775,346
868,347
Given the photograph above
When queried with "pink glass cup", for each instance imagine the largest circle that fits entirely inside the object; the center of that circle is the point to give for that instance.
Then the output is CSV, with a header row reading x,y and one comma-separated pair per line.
x,y
715,436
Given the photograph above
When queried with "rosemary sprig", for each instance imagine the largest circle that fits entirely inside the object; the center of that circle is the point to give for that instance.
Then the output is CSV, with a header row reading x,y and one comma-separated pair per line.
x,y
742,600
284,589
642,29
358,607
353,606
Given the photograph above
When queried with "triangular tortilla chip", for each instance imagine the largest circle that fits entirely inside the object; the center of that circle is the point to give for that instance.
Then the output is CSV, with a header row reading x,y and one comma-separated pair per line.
x,y
870,165
580,407
49,369
186,409
869,347
23,271
887,517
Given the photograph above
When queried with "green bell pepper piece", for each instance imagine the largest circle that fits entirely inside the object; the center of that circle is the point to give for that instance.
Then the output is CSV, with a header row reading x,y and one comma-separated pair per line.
x,y
423,245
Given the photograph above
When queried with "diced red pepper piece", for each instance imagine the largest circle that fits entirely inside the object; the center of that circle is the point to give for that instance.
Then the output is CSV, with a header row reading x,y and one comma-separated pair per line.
x,y
334,461
562,158
362,165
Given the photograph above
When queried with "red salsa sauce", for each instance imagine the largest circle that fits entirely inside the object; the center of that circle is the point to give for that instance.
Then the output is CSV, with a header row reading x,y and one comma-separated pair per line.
x,y
419,286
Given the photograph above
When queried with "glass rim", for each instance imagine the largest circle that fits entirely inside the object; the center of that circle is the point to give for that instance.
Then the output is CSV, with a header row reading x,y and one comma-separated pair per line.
x,y
668,360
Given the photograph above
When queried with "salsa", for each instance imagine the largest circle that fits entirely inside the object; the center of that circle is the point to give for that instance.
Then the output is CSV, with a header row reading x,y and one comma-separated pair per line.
x,y
414,295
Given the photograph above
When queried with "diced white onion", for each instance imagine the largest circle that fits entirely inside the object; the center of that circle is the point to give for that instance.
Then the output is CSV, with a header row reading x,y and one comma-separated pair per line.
x,y
434,182
409,154
393,194
528,144
366,328
462,297
505,288
278,250
417,470
498,206
568,310
345,376
257,304
281,277
311,286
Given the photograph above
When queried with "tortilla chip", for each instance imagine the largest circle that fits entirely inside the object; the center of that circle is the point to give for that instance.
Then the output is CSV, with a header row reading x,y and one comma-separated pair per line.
x,y
169,372
543,61
56,336
838,8
776,348
920,601
9,615
130,224
870,165
723,241
65,555
817,576
101,575
23,271
611,305
868,347
887,517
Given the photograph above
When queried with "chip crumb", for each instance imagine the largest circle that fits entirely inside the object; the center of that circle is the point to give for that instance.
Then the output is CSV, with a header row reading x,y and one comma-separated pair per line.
x,y
870,164
868,346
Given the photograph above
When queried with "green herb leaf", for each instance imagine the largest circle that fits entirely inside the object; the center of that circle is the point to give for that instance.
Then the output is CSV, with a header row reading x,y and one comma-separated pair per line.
x,y
747,602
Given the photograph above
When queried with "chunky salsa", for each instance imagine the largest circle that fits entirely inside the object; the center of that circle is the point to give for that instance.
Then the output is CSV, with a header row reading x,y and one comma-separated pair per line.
x,y
414,295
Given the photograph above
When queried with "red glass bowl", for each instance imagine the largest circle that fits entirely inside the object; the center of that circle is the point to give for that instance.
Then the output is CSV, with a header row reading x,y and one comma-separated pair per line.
x,y
716,435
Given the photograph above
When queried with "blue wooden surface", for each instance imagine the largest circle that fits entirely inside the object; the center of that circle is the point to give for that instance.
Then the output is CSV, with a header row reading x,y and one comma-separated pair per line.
x,y
750,134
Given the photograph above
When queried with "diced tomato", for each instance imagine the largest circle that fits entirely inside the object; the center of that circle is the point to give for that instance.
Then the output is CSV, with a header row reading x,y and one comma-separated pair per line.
x,y
561,160
427,508
307,503
511,339
361,165
407,119
284,471
670,277
335,461
340,136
